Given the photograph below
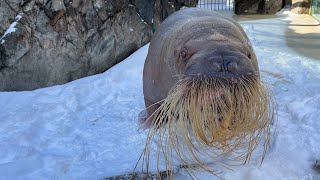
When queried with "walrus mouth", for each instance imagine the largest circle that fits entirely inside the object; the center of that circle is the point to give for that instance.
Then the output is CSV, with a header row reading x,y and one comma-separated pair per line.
x,y
212,118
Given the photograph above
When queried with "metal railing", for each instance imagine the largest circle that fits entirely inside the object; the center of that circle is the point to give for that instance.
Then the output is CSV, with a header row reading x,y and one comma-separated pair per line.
x,y
217,5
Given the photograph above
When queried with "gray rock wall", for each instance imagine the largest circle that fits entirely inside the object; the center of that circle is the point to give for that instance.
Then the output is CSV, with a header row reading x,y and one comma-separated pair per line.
x,y
50,42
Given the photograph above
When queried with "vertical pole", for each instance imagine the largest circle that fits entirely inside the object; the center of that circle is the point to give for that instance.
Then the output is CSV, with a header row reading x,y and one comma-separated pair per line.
x,y
211,5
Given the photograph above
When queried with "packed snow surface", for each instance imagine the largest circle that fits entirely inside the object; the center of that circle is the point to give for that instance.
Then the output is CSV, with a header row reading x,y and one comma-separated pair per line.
x,y
88,128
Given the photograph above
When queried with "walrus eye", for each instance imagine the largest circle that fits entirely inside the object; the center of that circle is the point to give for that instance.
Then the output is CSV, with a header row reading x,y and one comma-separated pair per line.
x,y
183,54
249,55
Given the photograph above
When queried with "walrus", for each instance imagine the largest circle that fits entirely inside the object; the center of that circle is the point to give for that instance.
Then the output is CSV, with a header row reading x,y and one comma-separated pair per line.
x,y
203,93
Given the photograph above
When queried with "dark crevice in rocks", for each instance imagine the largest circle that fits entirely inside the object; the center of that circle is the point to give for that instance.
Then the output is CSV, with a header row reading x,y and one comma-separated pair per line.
x,y
11,8
23,2
59,15
71,42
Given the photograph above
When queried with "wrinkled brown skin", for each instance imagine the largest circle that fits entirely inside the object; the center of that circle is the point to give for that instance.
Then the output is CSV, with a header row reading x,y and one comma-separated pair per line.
x,y
209,37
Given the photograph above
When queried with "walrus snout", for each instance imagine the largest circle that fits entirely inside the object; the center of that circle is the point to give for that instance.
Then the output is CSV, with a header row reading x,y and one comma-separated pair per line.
x,y
226,64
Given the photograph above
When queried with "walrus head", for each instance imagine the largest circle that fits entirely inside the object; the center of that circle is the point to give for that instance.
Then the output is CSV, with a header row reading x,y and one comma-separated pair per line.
x,y
218,107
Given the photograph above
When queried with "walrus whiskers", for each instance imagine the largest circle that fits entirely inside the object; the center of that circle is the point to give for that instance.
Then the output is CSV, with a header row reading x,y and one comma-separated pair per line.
x,y
211,117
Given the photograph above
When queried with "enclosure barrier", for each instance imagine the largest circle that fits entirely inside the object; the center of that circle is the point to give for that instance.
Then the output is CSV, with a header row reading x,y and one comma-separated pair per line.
x,y
217,5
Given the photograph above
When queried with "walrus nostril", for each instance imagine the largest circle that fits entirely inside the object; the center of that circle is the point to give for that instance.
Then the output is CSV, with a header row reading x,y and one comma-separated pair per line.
x,y
232,66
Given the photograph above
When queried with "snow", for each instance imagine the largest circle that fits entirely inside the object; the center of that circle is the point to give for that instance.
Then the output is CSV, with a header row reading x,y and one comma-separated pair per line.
x,y
79,130
88,128
12,28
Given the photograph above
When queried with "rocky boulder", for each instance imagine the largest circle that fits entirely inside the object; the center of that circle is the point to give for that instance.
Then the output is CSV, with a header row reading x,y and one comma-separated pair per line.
x,y
243,7
301,6
50,42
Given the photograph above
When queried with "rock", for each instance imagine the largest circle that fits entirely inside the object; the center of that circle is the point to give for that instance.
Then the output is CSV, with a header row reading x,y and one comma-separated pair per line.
x,y
287,2
8,11
161,9
100,7
273,6
15,42
257,6
316,166
301,6
164,8
57,41
28,6
145,9
141,176
116,33
114,6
